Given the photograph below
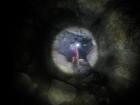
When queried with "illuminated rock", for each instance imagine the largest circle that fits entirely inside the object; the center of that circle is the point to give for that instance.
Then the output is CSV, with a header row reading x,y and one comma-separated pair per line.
x,y
74,50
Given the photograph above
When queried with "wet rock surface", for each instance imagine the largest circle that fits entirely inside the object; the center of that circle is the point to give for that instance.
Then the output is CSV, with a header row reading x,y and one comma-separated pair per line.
x,y
114,78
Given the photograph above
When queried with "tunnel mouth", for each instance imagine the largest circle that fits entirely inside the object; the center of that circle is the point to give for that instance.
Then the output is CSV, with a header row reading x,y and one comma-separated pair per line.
x,y
74,50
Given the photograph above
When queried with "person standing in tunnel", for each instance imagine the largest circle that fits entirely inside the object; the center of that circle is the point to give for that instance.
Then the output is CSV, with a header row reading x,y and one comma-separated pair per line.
x,y
75,53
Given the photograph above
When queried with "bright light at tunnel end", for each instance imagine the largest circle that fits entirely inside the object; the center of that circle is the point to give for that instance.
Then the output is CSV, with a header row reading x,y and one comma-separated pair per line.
x,y
77,44
60,59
